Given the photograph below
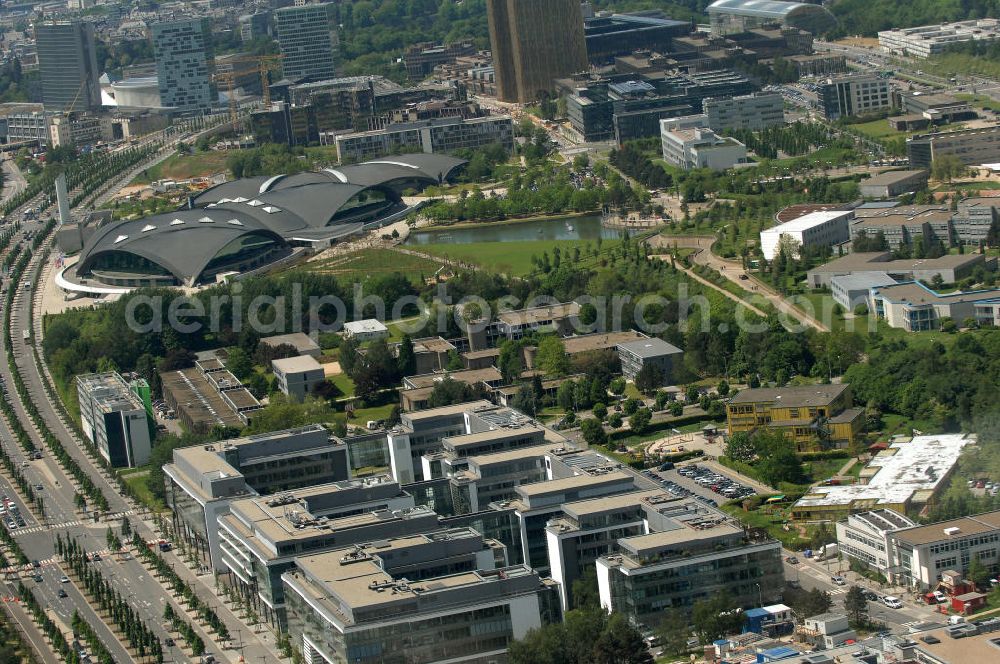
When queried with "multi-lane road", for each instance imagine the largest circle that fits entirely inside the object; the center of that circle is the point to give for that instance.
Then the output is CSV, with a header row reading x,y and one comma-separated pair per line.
x,y
37,536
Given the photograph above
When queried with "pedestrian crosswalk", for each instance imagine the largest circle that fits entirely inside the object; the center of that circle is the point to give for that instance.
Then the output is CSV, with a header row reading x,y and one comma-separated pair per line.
x,y
70,524
839,590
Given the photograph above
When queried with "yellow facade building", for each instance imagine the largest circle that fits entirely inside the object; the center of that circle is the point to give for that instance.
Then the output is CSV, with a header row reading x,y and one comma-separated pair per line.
x,y
814,417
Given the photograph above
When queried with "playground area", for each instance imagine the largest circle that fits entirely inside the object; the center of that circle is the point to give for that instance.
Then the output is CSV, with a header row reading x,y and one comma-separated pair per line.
x,y
680,443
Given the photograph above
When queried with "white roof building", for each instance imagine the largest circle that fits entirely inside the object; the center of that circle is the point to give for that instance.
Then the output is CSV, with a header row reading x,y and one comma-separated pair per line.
x,y
365,329
905,474
825,227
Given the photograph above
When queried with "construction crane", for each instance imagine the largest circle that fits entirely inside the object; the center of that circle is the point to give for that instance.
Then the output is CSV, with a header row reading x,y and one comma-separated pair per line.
x,y
261,65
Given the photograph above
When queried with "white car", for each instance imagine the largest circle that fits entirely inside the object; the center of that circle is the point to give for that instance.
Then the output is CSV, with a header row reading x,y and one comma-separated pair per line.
x,y
940,597
892,602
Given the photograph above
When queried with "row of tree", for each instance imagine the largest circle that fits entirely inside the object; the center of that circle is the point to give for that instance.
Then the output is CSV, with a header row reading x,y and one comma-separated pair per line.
x,y
107,597
51,630
178,585
82,478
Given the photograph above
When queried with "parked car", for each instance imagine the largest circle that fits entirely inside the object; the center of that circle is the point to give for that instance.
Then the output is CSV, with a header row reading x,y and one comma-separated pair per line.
x,y
940,597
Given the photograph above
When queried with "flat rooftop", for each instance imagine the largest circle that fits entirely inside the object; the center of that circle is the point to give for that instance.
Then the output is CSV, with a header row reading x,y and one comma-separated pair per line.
x,y
538,315
907,210
892,177
680,535
541,490
807,221
583,508
915,293
300,341
109,391
449,411
881,261
473,439
197,400
653,347
794,396
798,210
881,221
482,460
469,376
936,532
589,342
299,364
900,471
979,648
863,280
360,589
432,345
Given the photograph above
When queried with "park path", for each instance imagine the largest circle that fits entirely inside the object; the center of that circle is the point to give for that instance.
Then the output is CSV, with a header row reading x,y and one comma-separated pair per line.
x,y
734,272
701,280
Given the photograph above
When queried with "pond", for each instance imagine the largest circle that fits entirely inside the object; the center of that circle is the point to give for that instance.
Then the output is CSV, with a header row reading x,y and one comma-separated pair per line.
x,y
571,228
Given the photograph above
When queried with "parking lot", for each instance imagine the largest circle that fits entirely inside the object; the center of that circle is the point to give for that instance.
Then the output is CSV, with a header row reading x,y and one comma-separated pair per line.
x,y
704,484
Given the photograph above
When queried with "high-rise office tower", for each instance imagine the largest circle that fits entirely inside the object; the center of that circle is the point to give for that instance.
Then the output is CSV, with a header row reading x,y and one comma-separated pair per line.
x,y
308,41
185,64
534,42
67,65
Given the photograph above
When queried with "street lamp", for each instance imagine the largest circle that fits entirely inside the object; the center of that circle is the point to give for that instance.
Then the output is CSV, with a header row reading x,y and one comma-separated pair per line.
x,y
760,595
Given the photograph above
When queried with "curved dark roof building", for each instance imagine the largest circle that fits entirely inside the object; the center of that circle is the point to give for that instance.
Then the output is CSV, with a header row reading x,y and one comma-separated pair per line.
x,y
730,16
254,222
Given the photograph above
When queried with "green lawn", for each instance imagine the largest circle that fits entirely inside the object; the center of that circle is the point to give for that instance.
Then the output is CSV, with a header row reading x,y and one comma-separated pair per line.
x,y
967,186
358,266
981,101
363,415
512,258
344,384
877,129
771,522
182,167
949,64
137,482
822,469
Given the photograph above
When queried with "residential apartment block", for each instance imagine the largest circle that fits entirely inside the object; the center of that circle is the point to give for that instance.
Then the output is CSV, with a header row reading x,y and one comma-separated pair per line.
x,y
811,416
